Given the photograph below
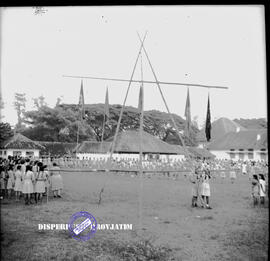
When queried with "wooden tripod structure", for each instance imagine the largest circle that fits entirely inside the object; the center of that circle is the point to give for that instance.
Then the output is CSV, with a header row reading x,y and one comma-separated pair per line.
x,y
142,82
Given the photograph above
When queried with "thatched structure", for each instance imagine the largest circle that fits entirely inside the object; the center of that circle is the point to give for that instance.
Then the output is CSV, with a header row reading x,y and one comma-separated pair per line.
x,y
19,141
243,145
93,147
19,145
129,142
200,153
57,149
128,146
250,139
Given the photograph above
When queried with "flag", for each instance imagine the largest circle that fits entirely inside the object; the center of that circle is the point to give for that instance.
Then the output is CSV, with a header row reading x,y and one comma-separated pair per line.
x,y
208,122
188,116
106,108
81,102
140,104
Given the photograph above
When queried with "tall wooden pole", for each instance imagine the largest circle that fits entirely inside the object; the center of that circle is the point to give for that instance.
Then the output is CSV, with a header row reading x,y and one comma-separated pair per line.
x,y
122,109
171,117
141,101
151,82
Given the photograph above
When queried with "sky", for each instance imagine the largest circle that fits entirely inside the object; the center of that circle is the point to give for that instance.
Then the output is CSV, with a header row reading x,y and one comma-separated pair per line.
x,y
211,45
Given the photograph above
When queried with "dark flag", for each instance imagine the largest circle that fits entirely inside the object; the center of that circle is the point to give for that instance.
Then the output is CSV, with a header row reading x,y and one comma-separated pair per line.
x,y
140,105
81,102
106,108
208,122
188,116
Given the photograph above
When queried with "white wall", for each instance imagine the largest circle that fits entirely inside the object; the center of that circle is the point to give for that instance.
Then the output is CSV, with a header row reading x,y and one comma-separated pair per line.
x,y
124,156
9,152
220,154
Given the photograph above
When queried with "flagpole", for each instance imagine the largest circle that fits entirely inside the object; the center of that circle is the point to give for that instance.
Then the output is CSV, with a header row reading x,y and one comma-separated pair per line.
x,y
103,128
77,138
141,101
81,116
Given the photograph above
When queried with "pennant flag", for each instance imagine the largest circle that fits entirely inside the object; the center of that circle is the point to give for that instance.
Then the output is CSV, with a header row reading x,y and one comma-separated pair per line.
x,y
208,122
188,116
106,108
81,102
140,105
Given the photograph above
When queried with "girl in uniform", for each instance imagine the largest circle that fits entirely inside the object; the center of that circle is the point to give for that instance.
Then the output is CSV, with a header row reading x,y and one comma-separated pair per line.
x,y
18,182
2,181
10,181
232,173
205,192
255,189
40,183
27,188
57,181
262,188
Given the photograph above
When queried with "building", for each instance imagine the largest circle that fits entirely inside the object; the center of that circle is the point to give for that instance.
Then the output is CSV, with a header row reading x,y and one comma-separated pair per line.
x,y
242,145
57,149
219,128
19,145
200,153
128,146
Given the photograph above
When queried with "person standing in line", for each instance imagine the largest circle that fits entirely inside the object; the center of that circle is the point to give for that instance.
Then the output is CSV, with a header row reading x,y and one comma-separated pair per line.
x,y
40,183
10,180
2,181
27,188
255,189
56,181
18,182
35,169
193,178
232,173
205,188
262,188
244,168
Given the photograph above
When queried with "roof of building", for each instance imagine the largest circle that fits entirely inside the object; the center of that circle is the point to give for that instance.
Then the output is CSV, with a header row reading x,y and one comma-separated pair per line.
x,y
201,153
19,141
219,128
249,139
93,147
57,148
129,142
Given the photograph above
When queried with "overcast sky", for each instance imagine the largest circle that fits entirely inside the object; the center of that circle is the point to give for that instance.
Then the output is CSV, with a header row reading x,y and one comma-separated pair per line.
x,y
213,45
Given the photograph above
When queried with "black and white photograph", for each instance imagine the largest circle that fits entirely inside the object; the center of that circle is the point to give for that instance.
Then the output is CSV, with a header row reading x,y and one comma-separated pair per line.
x,y
134,133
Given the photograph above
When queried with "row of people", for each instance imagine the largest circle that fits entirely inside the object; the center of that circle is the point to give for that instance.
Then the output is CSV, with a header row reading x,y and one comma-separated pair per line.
x,y
32,179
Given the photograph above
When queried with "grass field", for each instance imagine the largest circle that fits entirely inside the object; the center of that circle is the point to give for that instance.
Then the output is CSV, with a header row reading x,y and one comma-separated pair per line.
x,y
172,230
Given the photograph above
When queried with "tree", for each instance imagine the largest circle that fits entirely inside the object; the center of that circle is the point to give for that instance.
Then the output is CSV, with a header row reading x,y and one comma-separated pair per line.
x,y
19,105
56,124
5,131
39,102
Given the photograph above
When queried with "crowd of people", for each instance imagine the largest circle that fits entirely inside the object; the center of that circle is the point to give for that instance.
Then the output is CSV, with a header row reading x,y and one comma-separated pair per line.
x,y
256,172
30,179
33,178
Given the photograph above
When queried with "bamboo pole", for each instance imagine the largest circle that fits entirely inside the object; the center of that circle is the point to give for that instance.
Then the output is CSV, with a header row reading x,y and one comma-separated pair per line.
x,y
122,109
141,152
150,82
120,117
166,105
